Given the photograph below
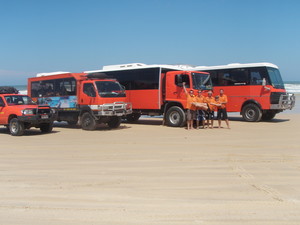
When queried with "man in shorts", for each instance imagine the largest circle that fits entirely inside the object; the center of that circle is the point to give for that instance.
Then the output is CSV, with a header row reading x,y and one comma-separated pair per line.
x,y
191,108
211,108
201,109
222,112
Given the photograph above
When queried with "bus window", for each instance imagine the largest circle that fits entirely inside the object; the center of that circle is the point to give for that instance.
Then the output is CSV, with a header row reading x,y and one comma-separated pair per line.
x,y
257,75
233,77
214,78
140,79
42,89
66,87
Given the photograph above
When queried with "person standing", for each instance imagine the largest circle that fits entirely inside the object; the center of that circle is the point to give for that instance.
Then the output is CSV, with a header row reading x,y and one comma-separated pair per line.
x,y
222,112
210,100
201,109
191,108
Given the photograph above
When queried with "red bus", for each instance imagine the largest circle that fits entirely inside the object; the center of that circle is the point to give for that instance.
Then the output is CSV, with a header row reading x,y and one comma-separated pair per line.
x,y
256,90
157,89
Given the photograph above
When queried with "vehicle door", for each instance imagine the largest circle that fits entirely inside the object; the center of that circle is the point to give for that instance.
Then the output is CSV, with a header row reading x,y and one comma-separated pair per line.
x,y
2,111
174,90
88,96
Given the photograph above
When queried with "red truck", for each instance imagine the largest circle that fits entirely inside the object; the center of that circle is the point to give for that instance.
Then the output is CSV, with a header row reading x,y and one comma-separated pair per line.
x,y
18,112
81,98
157,89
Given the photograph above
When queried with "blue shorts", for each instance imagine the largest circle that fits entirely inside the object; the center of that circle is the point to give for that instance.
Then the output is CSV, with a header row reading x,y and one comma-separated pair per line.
x,y
210,115
201,115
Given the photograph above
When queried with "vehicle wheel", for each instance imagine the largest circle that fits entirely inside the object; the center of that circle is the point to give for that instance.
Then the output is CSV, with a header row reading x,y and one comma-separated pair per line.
x,y
133,117
175,117
114,122
268,115
251,112
88,122
46,127
16,128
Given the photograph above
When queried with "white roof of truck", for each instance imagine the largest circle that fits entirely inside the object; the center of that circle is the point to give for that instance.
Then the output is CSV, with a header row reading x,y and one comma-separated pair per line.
x,y
139,66
131,66
236,65
52,73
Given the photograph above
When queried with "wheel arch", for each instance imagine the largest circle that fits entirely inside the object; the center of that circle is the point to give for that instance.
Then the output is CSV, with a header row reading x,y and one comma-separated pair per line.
x,y
11,116
250,101
84,109
170,104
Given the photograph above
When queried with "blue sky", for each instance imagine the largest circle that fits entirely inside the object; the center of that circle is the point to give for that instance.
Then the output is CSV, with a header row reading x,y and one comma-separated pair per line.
x,y
69,35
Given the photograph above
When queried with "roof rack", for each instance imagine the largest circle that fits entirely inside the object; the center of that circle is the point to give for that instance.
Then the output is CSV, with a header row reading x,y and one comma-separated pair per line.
x,y
50,74
8,90
99,75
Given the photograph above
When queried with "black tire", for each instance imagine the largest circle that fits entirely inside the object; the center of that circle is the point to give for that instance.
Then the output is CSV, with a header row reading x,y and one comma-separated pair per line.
x,y
251,112
133,117
46,127
175,117
16,128
268,115
114,122
88,122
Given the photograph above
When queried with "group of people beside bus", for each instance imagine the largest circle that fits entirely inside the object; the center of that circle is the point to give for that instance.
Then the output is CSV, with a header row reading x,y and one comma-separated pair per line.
x,y
202,109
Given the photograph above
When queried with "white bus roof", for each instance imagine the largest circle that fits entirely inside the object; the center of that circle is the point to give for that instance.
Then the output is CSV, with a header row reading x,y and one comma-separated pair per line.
x,y
52,73
139,66
236,65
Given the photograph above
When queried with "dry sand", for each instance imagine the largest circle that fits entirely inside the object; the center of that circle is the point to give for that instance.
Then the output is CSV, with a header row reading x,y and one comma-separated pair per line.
x,y
148,174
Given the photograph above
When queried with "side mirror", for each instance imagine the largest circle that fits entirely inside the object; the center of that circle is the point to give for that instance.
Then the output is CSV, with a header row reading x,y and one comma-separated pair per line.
x,y
2,104
264,83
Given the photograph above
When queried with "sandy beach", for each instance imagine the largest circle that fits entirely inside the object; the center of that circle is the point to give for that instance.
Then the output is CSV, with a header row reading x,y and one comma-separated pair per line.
x,y
146,174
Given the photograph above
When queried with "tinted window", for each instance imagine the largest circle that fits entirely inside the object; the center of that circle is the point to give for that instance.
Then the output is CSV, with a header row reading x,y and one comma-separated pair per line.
x,y
233,77
275,78
214,77
58,87
180,78
110,89
257,74
1,101
138,79
89,90
19,100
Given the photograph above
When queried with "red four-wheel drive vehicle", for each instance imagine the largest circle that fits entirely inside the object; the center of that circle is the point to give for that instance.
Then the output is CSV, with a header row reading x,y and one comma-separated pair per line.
x,y
18,112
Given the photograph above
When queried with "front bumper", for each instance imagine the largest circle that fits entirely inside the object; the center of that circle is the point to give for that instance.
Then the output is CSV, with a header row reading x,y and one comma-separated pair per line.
x,y
286,101
37,119
113,109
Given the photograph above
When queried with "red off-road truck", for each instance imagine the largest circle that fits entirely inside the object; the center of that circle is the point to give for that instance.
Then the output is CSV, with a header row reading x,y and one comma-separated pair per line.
x,y
18,112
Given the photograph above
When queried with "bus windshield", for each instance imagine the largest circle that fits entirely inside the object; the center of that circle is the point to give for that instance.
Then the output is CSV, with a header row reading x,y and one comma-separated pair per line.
x,y
275,78
110,89
201,81
19,100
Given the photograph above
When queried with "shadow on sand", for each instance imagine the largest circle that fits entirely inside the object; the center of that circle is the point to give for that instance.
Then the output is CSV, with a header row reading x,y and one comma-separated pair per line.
x,y
240,119
30,132
100,127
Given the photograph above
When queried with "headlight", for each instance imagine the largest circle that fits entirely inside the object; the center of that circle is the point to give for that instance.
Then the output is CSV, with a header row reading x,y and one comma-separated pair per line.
x,y
128,106
28,111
